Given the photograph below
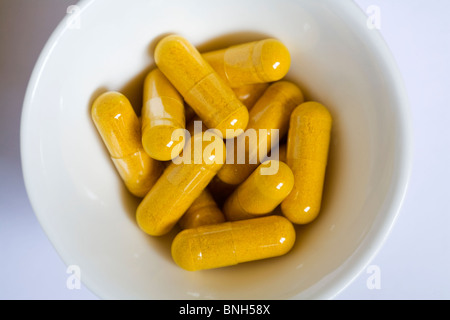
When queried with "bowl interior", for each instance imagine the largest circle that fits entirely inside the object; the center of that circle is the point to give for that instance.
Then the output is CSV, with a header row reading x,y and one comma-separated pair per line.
x,y
90,217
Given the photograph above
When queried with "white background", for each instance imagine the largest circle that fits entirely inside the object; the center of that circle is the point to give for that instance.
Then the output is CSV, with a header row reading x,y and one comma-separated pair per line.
x,y
414,262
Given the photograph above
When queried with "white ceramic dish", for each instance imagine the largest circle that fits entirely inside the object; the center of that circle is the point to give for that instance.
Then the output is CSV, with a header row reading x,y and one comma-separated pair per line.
x,y
89,216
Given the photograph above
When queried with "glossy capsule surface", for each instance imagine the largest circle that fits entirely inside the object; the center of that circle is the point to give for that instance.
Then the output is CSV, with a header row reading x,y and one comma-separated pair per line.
x,y
230,243
271,111
162,115
250,93
120,130
261,193
202,88
307,156
202,212
253,62
180,184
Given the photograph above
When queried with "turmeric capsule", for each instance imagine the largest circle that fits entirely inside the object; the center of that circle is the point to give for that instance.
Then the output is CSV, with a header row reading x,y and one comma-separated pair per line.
x,y
180,184
261,193
230,243
307,154
120,130
202,212
162,116
202,88
271,112
254,62
250,93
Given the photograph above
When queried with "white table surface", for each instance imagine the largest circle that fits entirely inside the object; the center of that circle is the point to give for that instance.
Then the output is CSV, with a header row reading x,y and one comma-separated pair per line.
x,y
414,262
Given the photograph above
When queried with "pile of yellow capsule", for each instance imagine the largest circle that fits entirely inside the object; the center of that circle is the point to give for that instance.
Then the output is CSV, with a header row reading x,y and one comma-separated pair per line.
x,y
226,209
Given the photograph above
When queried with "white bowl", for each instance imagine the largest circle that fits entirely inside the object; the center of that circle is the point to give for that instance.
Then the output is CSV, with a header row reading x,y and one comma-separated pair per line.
x,y
89,216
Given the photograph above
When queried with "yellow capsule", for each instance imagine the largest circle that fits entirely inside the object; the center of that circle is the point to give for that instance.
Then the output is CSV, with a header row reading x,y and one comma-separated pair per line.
x,y
271,111
120,130
202,212
247,94
202,88
261,193
181,183
230,243
250,93
254,62
162,116
307,155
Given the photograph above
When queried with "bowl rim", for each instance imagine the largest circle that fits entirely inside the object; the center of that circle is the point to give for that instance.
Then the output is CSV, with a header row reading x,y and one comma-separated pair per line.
x,y
372,242
375,239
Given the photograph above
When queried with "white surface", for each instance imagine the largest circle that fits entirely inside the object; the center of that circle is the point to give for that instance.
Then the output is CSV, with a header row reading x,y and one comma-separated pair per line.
x,y
414,260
